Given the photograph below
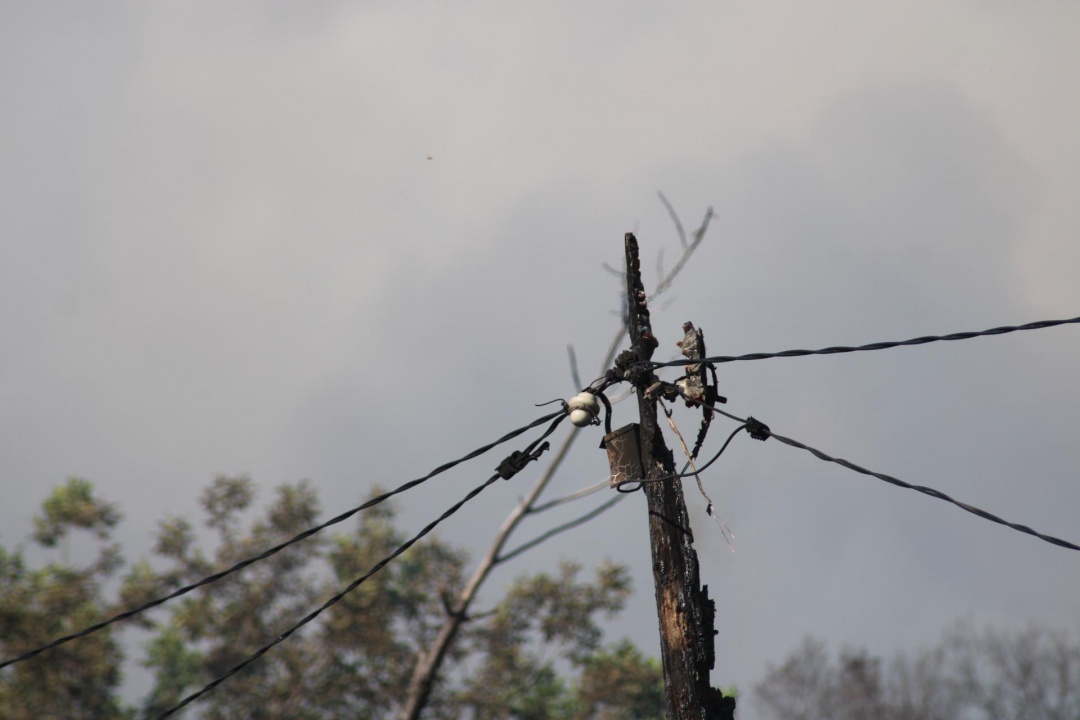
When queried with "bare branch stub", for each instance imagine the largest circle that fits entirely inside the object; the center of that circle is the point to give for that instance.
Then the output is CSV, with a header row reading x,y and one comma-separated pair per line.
x,y
574,374
674,218
699,235
612,271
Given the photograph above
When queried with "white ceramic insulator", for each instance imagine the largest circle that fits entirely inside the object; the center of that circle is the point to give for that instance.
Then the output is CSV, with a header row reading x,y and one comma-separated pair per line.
x,y
581,417
584,409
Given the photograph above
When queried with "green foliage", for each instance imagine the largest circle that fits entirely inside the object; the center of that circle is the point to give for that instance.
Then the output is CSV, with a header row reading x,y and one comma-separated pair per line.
x,y
72,506
515,679
619,684
78,680
537,655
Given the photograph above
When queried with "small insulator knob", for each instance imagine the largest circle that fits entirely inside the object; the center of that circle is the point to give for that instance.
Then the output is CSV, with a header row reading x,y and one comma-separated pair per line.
x,y
580,417
584,409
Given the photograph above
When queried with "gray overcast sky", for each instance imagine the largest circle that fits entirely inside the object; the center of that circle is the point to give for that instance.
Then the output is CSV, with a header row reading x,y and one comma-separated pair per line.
x,y
223,249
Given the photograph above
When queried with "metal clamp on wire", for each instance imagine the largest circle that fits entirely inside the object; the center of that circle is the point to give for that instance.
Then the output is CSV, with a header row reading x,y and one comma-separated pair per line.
x,y
757,429
517,460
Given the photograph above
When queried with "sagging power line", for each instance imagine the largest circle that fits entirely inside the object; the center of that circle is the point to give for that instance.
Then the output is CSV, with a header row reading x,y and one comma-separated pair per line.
x,y
505,471
555,416
761,431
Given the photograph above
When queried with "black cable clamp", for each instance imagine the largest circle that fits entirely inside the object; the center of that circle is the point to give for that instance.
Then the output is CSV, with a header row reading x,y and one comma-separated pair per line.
x,y
517,460
757,429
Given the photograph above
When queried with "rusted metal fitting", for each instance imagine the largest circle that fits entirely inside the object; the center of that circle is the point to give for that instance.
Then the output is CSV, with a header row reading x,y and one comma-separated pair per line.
x,y
624,454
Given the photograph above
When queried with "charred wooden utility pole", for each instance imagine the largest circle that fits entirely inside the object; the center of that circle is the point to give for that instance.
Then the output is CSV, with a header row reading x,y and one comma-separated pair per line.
x,y
686,612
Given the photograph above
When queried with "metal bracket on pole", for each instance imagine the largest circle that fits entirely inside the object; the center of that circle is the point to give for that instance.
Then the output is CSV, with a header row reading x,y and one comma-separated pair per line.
x,y
624,454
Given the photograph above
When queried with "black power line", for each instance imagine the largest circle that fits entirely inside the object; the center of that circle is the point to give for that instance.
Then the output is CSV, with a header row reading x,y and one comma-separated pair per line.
x,y
838,349
523,457
926,491
336,598
556,416
684,474
761,431
559,529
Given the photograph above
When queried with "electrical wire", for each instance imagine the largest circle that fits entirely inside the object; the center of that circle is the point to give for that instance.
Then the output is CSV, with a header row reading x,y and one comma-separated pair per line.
x,y
556,416
683,473
762,431
926,491
726,414
560,529
332,601
713,459
524,457
872,346
584,492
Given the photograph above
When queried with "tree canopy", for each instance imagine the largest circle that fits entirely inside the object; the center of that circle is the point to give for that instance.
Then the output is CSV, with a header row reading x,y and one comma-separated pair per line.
x,y
538,654
988,674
